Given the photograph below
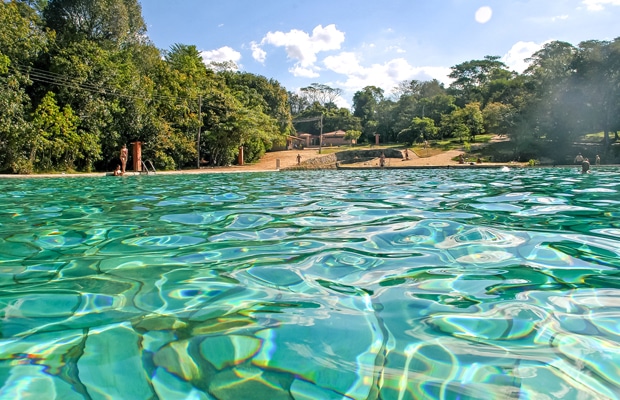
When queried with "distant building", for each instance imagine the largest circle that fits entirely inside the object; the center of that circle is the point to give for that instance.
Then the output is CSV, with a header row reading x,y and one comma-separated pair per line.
x,y
335,138
305,140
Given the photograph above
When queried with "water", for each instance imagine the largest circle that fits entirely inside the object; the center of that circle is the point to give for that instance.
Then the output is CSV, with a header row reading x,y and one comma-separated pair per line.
x,y
410,284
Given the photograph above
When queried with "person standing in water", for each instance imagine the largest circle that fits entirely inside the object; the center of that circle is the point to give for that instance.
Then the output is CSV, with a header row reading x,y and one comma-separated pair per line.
x,y
124,155
579,159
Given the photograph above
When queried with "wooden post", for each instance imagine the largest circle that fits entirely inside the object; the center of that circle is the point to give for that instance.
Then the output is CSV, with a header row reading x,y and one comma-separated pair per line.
x,y
377,139
240,158
136,149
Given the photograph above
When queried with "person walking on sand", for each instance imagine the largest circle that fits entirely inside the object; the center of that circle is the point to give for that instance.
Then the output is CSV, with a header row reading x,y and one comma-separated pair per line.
x,y
382,160
298,159
406,154
124,155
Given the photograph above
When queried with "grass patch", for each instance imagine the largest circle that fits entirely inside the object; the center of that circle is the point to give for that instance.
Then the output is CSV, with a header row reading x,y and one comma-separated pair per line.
x,y
427,152
593,137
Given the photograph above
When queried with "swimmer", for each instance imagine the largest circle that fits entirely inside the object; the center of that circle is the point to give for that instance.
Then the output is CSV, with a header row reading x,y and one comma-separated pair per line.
x,y
585,166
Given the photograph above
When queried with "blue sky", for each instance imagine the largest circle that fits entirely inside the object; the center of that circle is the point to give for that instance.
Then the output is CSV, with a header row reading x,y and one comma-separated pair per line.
x,y
349,44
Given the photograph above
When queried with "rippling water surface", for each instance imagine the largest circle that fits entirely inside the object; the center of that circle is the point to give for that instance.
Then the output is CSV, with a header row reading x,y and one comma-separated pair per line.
x,y
410,284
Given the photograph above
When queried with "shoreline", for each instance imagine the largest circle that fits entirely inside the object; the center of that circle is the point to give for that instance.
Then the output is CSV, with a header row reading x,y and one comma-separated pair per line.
x,y
287,160
252,169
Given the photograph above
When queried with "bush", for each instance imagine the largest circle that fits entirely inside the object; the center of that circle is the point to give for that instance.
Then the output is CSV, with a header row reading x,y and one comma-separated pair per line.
x,y
163,161
22,167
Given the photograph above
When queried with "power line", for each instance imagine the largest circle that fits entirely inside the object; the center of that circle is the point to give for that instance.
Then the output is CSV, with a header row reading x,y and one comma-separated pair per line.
x,y
43,76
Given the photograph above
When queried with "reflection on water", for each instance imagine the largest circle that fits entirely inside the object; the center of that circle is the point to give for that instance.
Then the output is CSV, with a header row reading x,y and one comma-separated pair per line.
x,y
476,284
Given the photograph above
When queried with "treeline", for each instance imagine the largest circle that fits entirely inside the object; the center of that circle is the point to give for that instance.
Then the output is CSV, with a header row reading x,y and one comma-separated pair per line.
x,y
567,92
80,78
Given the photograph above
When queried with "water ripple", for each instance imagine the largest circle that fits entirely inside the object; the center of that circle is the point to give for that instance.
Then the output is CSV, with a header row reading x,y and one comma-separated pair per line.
x,y
360,284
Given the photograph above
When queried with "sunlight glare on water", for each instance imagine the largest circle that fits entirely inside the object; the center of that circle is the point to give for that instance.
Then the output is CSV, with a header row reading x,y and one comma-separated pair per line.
x,y
399,284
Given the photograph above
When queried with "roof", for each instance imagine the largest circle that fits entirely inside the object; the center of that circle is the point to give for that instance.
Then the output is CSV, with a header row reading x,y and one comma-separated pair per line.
x,y
338,133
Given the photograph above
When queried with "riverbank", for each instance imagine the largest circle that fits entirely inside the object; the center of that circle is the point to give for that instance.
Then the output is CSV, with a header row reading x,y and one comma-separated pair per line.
x,y
287,159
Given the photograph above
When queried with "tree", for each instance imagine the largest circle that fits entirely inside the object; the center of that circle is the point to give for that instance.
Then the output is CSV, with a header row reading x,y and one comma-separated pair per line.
x,y
364,107
110,22
498,118
56,139
266,94
467,121
420,129
352,135
554,102
297,103
419,89
21,42
319,93
472,117
597,65
472,77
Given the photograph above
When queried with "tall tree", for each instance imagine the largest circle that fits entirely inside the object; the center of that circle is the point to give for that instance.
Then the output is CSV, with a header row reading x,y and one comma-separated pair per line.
x,y
320,93
555,102
365,107
21,42
111,22
597,65
472,77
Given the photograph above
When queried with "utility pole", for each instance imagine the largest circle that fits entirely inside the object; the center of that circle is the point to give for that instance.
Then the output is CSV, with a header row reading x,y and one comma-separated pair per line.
x,y
310,119
321,137
199,129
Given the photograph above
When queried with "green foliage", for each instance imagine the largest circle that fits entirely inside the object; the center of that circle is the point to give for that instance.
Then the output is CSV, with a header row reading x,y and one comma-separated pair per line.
x,y
365,106
425,127
56,143
107,22
352,135
408,136
498,118
473,79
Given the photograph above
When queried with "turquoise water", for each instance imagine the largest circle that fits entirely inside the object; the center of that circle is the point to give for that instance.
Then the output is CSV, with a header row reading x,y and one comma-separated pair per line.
x,y
399,284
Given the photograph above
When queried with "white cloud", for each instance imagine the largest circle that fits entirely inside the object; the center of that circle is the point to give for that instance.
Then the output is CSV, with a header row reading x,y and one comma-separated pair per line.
x,y
386,75
299,71
341,102
258,53
515,58
599,5
396,49
303,48
222,54
484,14
559,18
345,63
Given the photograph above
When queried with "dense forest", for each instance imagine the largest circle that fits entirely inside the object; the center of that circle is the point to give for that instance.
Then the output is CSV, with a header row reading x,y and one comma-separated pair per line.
x,y
80,78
